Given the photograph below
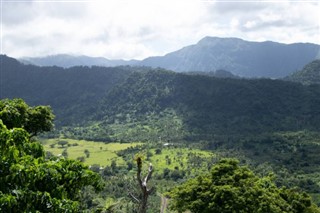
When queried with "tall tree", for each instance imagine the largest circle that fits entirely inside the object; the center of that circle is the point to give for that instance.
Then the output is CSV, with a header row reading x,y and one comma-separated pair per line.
x,y
233,188
29,182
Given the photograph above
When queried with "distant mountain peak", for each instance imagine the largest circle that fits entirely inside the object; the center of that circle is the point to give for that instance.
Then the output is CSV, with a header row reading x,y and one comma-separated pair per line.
x,y
243,58
218,39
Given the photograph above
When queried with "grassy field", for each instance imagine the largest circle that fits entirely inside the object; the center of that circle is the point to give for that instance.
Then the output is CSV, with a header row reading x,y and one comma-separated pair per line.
x,y
99,153
192,160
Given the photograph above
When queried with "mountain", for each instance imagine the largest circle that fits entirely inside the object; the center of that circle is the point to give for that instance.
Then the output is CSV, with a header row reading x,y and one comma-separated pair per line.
x,y
310,74
70,91
66,61
243,58
140,103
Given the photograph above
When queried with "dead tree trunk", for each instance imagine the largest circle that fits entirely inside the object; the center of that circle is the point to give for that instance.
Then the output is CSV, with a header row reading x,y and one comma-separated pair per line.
x,y
145,192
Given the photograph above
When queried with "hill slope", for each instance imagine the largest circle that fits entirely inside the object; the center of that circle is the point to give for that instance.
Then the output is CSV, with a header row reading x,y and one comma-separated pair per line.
x,y
141,103
71,92
310,74
199,107
244,58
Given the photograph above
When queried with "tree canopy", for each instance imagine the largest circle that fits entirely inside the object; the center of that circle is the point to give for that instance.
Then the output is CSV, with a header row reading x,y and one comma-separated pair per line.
x,y
17,114
233,188
29,182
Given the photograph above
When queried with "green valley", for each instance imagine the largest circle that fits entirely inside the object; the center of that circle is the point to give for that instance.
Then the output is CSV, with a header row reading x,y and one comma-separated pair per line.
x,y
185,125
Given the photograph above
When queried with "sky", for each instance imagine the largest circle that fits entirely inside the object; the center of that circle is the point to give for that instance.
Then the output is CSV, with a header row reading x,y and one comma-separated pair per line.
x,y
136,29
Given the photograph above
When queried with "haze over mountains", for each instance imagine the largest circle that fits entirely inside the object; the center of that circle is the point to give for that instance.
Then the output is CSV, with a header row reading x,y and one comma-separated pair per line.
x,y
66,61
242,58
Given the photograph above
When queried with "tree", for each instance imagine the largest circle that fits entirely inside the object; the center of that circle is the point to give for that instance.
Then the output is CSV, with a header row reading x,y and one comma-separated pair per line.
x,y
145,192
233,188
62,143
17,114
158,151
87,153
28,181
65,153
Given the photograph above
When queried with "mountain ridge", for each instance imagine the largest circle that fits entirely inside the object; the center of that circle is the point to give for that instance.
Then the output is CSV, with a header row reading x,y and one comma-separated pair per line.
x,y
67,61
243,58
135,97
240,57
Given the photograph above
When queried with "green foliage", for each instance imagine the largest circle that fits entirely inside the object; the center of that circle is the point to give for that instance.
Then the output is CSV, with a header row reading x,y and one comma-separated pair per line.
x,y
29,182
62,143
17,114
233,188
72,93
178,107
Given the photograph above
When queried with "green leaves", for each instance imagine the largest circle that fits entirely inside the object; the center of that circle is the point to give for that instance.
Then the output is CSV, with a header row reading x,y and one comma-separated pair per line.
x,y
233,188
13,113
17,114
28,182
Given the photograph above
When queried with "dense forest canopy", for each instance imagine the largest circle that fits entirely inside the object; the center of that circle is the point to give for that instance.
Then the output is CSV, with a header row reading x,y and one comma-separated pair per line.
x,y
271,125
70,92
201,105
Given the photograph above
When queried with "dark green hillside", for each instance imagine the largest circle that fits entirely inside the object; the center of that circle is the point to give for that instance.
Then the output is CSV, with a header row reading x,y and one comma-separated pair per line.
x,y
271,125
310,74
124,104
71,92
208,106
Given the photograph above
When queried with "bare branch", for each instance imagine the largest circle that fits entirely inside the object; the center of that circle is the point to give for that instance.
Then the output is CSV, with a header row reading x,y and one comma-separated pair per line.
x,y
134,198
147,178
143,185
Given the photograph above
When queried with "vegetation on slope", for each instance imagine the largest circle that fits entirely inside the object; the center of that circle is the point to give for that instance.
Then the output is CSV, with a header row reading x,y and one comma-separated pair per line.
x,y
177,106
72,93
310,74
271,125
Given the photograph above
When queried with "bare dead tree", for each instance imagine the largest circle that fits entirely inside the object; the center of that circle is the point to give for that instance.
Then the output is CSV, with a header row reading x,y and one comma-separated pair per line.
x,y
145,192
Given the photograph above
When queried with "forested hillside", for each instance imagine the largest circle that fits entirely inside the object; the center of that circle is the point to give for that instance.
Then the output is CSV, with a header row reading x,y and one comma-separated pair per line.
x,y
148,100
70,92
310,74
205,106
271,125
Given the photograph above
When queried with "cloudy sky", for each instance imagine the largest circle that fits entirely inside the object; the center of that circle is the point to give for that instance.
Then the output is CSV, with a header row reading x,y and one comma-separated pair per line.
x,y
135,29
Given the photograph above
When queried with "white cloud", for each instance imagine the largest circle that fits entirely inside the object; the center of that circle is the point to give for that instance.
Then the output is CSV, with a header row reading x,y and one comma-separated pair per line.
x,y
140,28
